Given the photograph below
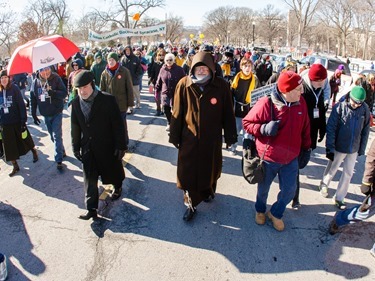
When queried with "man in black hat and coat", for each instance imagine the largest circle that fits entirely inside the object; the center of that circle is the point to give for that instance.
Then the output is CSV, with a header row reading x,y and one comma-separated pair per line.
x,y
98,140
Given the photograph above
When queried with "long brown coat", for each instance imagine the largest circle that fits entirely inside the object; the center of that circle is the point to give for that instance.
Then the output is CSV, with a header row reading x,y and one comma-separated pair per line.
x,y
197,124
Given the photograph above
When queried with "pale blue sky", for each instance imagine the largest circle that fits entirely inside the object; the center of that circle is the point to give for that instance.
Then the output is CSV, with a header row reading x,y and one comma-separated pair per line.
x,y
192,11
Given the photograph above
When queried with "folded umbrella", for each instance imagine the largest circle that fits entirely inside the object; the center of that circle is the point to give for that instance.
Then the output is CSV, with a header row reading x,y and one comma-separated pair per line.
x,y
40,53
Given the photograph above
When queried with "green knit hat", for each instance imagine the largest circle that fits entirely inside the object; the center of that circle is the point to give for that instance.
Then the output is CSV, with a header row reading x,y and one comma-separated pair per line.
x,y
358,94
112,55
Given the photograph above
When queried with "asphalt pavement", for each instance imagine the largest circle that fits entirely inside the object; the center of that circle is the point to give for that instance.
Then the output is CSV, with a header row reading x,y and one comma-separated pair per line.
x,y
142,235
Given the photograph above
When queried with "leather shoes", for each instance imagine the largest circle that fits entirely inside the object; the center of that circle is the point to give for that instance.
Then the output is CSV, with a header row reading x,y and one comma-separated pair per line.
x,y
209,198
90,214
35,155
117,193
189,214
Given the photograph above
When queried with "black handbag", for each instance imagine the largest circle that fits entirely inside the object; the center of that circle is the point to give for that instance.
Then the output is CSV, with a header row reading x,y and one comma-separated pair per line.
x,y
252,164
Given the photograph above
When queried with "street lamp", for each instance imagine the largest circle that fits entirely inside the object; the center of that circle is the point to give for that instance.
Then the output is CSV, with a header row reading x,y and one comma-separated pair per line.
x,y
337,49
253,32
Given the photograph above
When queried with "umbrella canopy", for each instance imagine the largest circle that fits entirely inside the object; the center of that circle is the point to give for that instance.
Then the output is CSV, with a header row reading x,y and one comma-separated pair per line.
x,y
40,53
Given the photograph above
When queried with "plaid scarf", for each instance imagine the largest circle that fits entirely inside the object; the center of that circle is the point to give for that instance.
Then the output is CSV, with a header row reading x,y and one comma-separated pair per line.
x,y
87,104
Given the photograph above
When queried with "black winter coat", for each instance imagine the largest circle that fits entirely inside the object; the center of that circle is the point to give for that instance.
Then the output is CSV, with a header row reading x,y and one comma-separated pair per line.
x,y
317,125
98,138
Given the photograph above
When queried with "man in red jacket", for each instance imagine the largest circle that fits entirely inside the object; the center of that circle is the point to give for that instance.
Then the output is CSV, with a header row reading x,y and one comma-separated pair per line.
x,y
281,127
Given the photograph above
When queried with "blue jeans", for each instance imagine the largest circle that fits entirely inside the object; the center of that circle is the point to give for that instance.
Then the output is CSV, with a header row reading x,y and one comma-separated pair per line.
x,y
287,182
54,127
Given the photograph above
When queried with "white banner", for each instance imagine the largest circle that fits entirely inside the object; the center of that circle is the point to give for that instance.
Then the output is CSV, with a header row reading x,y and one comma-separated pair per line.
x,y
261,92
127,32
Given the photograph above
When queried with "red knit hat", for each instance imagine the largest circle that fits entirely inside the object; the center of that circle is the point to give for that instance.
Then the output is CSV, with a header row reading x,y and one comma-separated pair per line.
x,y
317,72
288,81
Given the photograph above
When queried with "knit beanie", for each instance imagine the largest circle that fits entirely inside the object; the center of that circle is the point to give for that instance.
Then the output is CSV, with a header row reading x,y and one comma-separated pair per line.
x,y
112,55
317,72
288,81
83,78
358,94
98,55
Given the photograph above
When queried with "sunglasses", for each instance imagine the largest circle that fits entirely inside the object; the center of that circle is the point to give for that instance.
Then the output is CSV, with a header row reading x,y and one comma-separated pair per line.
x,y
168,60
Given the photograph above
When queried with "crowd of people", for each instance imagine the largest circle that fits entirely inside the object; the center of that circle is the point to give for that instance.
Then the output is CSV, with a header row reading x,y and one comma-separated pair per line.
x,y
205,93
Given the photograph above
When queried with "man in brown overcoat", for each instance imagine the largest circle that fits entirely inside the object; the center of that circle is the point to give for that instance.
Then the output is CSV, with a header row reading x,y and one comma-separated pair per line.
x,y
202,109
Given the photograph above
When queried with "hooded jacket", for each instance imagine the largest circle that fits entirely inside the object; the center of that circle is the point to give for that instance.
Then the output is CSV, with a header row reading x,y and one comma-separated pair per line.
x,y
348,129
133,64
201,114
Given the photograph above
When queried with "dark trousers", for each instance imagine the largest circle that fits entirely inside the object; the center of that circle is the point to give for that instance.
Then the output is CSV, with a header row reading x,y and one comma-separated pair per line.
x,y
90,183
123,116
168,113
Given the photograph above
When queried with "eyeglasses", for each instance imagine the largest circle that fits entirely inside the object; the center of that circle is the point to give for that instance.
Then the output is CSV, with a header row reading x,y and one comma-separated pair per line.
x,y
168,60
202,69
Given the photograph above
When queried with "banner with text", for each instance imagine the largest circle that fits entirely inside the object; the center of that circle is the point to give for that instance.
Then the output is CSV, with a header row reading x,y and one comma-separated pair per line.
x,y
127,32
261,92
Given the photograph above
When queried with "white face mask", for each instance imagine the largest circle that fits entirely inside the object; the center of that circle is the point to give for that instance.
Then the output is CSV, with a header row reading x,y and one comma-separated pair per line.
x,y
200,77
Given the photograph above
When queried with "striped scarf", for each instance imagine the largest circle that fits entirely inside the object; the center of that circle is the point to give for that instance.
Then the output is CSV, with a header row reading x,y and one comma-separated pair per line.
x,y
87,104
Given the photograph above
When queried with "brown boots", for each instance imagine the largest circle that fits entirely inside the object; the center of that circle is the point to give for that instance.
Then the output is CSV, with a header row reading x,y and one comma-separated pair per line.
x,y
15,170
35,155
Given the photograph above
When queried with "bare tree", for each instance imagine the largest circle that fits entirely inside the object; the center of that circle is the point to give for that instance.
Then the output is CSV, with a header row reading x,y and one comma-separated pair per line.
x,y
340,12
304,11
121,11
8,29
89,21
365,22
40,12
58,8
28,30
218,23
175,27
241,31
271,23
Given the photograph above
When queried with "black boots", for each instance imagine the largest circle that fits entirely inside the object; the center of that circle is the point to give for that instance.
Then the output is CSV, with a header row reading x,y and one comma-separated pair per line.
x,y
15,170
90,214
189,213
117,193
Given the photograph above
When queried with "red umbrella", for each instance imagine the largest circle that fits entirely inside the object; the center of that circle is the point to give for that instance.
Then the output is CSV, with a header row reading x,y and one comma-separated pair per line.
x,y
39,53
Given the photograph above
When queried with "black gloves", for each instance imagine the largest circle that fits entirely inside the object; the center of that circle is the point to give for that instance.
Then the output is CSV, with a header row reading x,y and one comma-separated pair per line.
x,y
366,188
36,120
270,129
304,158
119,153
78,155
330,156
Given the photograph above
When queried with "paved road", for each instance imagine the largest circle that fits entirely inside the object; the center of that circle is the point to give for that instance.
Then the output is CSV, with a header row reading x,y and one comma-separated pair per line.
x,y
143,237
